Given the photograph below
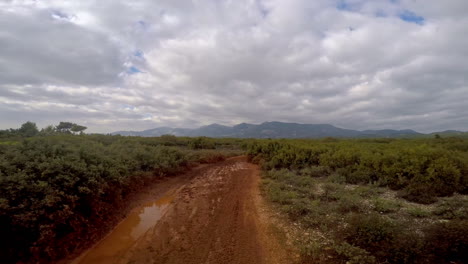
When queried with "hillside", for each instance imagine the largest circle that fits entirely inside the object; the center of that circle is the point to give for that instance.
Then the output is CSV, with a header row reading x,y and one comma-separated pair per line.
x,y
271,130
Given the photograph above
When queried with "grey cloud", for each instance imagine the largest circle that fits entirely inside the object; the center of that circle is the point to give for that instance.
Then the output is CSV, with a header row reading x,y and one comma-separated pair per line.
x,y
37,49
234,61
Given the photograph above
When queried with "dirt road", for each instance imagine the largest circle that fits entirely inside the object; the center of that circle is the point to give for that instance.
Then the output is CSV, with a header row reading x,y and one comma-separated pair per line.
x,y
217,216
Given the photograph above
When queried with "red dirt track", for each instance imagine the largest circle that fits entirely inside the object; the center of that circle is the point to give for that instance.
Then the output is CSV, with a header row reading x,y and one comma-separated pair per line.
x,y
214,218
217,217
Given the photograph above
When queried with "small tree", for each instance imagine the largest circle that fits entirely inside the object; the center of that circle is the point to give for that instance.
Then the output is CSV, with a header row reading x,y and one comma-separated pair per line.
x,y
78,129
201,143
64,127
69,127
28,129
168,140
49,130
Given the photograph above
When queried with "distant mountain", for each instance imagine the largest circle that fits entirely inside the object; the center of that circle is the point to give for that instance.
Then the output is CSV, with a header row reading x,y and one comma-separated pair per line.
x,y
389,133
156,132
450,133
271,130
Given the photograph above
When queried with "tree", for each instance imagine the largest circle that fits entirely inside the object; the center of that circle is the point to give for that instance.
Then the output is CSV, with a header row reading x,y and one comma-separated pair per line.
x,y
28,129
5,133
78,129
169,140
69,127
64,127
49,130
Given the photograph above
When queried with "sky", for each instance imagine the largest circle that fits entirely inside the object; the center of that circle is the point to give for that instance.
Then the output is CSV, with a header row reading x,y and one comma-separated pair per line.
x,y
133,65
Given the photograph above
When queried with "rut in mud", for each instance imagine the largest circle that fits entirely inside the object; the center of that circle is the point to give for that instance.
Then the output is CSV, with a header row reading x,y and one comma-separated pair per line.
x,y
215,217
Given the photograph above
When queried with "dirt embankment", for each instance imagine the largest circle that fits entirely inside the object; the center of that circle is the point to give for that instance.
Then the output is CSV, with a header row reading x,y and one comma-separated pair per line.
x,y
218,216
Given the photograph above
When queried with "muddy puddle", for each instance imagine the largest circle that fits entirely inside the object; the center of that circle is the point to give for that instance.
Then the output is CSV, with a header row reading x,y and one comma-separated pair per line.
x,y
113,247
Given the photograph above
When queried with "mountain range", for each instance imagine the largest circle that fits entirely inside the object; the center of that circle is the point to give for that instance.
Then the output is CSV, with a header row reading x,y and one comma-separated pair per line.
x,y
277,130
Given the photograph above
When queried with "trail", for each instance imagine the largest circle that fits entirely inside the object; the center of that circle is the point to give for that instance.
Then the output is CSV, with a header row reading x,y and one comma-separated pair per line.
x,y
217,216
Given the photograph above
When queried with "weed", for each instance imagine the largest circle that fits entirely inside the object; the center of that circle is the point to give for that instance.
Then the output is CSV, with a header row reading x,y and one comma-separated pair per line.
x,y
368,191
354,255
452,209
331,191
315,171
418,212
349,203
336,177
277,193
386,206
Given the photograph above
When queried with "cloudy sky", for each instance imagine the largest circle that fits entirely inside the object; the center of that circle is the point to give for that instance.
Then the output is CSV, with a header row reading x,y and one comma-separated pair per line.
x,y
133,65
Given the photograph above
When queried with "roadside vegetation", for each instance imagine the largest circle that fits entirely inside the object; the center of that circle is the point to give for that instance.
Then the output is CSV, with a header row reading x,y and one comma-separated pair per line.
x,y
60,187
372,200
353,201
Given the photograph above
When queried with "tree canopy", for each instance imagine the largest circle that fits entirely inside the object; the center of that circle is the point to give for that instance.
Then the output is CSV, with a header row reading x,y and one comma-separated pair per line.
x,y
29,129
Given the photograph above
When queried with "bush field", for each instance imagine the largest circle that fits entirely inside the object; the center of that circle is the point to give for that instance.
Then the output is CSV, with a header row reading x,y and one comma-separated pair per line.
x,y
58,191
371,201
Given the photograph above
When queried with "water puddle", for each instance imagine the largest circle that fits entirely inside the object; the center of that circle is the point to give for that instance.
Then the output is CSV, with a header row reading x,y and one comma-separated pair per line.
x,y
113,247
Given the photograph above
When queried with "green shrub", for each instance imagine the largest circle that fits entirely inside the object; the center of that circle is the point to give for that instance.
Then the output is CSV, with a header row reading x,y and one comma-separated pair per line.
x,y
201,143
368,191
312,252
57,191
316,214
354,255
299,208
315,171
419,193
386,206
418,212
349,203
278,194
443,176
336,177
386,240
408,247
331,191
423,168
360,176
452,209
447,242
371,232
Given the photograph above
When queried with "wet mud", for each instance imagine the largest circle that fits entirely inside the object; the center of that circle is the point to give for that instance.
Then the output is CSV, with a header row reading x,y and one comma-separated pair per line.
x,y
115,245
215,216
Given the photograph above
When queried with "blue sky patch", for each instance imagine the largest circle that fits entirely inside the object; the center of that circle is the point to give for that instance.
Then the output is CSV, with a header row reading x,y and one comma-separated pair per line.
x,y
133,70
138,53
147,116
343,5
411,17
128,107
